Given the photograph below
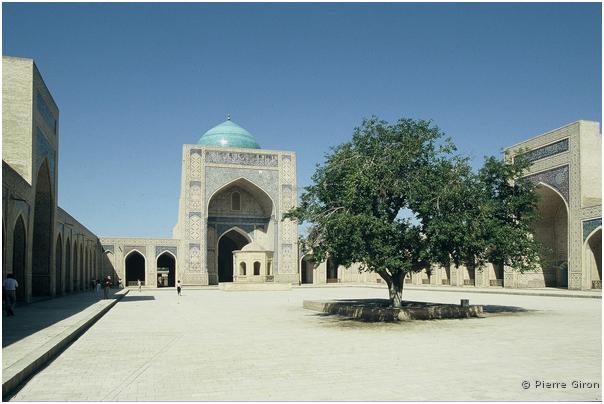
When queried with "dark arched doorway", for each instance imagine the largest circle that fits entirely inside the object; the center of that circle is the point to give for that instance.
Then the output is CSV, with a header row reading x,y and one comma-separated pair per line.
x,y
551,231
306,269
59,266
332,271
229,242
76,276
43,233
86,268
166,270
81,268
19,254
135,268
67,271
594,258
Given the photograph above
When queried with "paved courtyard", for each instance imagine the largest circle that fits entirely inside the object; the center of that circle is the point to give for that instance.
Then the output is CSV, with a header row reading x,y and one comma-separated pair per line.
x,y
216,345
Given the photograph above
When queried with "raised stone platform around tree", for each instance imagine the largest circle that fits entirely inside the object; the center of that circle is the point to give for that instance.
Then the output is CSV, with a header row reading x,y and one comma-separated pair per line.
x,y
246,287
379,310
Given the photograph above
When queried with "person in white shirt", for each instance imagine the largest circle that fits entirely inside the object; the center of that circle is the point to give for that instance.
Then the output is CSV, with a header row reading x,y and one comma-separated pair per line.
x,y
138,283
9,287
178,287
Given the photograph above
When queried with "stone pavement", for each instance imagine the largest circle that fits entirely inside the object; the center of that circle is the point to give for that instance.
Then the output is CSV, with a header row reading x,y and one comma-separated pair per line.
x,y
39,331
217,345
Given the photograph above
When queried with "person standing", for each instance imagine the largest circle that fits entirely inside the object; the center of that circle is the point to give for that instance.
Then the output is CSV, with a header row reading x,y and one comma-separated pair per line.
x,y
9,287
98,288
178,287
106,287
138,283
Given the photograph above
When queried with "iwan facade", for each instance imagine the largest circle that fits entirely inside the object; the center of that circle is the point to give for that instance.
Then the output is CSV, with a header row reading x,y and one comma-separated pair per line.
x,y
232,200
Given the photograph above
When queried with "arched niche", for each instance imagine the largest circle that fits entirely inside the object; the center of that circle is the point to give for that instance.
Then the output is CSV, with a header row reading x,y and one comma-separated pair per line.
x,y
68,270
135,268
551,231
593,257
76,267
59,266
42,232
251,200
166,270
307,266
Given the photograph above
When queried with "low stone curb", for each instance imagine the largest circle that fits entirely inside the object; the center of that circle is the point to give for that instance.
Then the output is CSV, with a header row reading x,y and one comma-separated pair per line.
x,y
24,368
367,313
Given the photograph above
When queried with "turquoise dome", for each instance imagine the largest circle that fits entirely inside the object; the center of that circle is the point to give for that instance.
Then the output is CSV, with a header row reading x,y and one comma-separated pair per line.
x,y
228,134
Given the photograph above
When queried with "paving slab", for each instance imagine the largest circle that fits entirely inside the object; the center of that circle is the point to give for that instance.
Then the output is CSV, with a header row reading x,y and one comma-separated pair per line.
x,y
39,331
262,345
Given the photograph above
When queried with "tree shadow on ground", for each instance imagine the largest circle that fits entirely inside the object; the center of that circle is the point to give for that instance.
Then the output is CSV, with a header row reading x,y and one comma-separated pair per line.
x,y
384,313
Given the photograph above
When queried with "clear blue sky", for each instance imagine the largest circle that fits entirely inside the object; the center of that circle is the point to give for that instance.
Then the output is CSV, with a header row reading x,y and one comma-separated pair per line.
x,y
134,82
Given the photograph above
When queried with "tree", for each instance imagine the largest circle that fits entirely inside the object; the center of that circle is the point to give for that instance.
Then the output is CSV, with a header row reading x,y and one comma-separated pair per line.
x,y
358,206
512,206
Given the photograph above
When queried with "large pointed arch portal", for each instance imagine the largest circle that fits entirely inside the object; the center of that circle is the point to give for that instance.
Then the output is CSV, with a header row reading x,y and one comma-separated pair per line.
x,y
551,230
240,205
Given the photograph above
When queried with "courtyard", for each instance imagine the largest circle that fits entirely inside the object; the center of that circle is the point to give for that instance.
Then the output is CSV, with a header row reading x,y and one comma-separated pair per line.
x,y
216,345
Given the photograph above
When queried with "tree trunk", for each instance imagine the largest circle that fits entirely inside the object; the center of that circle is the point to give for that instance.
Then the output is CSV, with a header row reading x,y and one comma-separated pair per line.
x,y
395,286
395,289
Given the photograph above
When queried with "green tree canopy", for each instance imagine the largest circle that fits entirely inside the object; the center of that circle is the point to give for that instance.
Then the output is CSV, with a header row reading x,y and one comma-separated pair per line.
x,y
396,200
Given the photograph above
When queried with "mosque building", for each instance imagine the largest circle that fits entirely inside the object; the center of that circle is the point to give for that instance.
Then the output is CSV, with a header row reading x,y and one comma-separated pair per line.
x,y
230,228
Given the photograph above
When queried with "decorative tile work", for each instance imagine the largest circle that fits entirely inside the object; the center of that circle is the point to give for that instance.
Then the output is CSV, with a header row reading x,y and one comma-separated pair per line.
x,y
286,265
220,228
590,225
108,248
575,280
159,249
286,198
195,164
286,169
260,222
141,249
240,158
194,258
289,231
194,199
592,211
218,177
575,229
194,225
557,178
547,151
